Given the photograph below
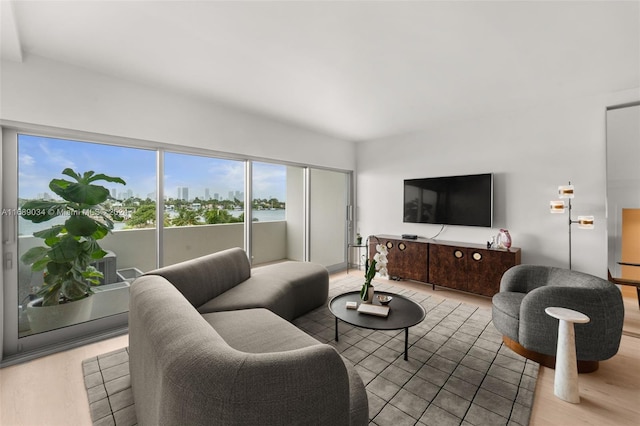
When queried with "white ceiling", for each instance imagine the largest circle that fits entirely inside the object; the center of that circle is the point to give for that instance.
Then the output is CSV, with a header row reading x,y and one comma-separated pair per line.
x,y
356,70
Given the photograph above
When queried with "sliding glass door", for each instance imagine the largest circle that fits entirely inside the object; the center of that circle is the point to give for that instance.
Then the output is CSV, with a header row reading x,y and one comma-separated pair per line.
x,y
329,198
69,194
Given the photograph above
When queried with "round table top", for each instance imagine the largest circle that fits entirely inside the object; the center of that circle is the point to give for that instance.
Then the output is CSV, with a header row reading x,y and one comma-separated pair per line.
x,y
403,312
567,315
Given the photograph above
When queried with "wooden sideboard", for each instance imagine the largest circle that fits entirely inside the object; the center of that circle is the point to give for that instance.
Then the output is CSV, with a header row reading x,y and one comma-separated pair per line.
x,y
468,267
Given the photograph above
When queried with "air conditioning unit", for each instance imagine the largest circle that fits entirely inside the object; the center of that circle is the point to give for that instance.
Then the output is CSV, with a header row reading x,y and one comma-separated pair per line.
x,y
107,265
128,274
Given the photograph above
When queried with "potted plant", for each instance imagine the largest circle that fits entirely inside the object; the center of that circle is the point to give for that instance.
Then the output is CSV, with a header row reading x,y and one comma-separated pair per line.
x,y
69,249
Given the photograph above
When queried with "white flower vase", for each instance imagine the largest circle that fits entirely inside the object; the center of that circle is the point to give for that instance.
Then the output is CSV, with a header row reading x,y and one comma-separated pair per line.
x,y
370,293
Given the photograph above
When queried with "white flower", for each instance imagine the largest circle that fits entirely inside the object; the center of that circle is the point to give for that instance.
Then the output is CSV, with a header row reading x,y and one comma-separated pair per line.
x,y
383,272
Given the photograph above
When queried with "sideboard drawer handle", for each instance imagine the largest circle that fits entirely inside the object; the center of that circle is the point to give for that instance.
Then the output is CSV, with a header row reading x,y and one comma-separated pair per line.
x,y
477,256
458,254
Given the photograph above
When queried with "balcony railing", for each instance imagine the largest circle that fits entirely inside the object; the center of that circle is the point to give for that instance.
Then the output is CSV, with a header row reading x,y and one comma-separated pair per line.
x,y
136,248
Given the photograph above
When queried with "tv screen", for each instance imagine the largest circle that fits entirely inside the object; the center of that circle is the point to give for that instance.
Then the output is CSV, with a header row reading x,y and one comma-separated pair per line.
x,y
451,200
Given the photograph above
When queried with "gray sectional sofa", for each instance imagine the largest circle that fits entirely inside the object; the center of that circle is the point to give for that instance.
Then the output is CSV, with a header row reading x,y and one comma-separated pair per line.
x,y
210,342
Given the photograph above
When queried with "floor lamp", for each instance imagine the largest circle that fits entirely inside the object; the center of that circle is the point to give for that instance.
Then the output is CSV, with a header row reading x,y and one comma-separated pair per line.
x,y
559,207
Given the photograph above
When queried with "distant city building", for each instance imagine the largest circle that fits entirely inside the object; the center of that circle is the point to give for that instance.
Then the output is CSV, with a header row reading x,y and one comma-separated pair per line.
x,y
114,192
183,193
216,196
207,195
125,195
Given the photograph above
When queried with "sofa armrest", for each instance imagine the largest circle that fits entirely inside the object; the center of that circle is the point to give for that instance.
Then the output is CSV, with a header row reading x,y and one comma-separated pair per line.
x,y
597,340
303,386
314,390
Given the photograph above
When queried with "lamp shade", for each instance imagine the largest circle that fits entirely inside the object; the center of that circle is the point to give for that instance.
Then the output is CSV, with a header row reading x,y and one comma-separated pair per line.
x,y
565,191
556,206
585,222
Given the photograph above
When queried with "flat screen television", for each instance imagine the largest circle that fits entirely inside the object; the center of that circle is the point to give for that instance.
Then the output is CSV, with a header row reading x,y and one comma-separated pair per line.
x,y
450,200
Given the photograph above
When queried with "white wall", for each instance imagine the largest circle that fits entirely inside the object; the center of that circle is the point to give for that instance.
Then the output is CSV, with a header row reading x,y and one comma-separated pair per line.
x,y
44,92
530,152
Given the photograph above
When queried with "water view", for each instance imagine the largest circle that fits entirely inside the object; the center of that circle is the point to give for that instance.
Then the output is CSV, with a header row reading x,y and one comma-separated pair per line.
x,y
26,227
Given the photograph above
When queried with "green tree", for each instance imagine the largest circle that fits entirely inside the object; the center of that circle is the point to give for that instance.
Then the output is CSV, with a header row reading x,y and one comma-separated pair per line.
x,y
218,216
186,217
143,216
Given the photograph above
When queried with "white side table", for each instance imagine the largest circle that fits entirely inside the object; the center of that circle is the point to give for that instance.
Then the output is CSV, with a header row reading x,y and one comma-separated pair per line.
x,y
565,384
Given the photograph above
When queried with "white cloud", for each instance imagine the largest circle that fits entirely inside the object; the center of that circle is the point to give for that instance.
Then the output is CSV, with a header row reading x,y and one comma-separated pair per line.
x,y
26,160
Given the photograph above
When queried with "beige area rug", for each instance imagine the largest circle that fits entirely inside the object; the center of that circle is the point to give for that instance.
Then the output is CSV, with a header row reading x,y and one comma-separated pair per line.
x,y
458,372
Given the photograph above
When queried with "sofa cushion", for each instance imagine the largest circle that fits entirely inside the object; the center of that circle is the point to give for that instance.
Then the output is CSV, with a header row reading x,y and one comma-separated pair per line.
x,y
262,291
308,283
258,331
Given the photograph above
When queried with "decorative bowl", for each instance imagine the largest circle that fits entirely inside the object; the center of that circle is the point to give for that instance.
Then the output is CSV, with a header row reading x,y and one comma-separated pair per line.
x,y
384,299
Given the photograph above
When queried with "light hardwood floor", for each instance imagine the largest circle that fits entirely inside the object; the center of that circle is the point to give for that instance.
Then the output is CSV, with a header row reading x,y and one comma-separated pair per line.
x,y
50,391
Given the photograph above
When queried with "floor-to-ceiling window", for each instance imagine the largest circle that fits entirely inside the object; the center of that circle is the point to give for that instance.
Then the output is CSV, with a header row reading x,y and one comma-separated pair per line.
x,y
170,205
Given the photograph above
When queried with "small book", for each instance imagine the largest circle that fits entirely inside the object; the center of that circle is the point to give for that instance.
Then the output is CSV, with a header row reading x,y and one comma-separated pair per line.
x,y
352,305
378,310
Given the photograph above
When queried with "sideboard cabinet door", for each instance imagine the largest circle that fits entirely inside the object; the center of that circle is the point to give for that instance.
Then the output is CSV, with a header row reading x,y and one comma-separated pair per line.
x,y
448,266
407,259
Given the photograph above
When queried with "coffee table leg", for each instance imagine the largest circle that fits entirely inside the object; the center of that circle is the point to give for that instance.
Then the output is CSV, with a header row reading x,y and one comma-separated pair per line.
x,y
406,343
336,329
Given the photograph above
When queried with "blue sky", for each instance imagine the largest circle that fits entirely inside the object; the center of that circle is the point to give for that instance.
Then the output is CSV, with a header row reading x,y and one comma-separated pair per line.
x,y
41,159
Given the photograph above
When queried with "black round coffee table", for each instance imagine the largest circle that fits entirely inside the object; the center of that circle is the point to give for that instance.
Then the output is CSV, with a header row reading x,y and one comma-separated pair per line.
x,y
403,313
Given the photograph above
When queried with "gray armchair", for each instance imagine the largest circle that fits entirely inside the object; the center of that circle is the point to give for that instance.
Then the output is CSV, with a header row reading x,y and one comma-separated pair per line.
x,y
526,290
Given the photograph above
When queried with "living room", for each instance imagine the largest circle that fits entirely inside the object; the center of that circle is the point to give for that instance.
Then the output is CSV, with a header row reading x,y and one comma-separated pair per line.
x,y
387,92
